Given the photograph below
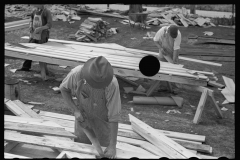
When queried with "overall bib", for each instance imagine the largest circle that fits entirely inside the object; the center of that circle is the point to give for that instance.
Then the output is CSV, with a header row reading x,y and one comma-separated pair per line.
x,y
41,37
37,22
168,43
92,103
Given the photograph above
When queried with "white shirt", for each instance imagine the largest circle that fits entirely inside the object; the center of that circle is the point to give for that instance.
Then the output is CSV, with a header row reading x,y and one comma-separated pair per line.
x,y
177,40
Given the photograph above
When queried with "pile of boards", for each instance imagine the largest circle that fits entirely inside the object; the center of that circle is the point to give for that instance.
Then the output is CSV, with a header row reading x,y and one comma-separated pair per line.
x,y
40,134
92,29
16,25
19,11
118,56
177,16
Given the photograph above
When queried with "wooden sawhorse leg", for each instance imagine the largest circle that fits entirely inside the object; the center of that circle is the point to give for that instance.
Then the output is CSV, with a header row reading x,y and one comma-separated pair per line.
x,y
205,93
44,70
156,85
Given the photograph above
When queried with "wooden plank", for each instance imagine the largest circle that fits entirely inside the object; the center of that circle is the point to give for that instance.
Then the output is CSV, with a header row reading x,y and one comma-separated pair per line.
x,y
84,58
128,81
215,84
129,147
183,21
34,151
206,156
169,20
15,109
154,86
171,134
230,84
71,155
216,107
200,107
9,146
16,27
173,149
146,52
45,130
122,127
187,144
26,109
33,121
67,145
16,22
228,95
62,155
11,156
62,122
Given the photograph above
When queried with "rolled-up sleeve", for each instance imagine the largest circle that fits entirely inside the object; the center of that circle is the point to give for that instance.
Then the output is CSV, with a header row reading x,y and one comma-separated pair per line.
x,y
177,41
112,94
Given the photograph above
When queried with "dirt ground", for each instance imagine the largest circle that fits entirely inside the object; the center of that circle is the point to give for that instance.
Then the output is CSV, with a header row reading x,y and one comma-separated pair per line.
x,y
220,133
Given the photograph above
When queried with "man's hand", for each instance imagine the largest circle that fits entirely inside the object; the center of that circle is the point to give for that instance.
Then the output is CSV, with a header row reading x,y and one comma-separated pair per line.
x,y
78,116
110,151
31,29
37,30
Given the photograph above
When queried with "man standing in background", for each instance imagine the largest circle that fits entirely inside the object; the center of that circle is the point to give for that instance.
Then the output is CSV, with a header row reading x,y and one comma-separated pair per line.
x,y
40,23
168,40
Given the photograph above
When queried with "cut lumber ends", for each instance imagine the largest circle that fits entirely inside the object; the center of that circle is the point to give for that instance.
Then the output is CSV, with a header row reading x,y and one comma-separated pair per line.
x,y
67,145
215,84
171,148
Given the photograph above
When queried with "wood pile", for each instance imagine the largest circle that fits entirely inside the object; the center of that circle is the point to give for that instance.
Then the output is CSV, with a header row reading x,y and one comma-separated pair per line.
x,y
19,11
180,17
118,56
92,29
52,136
10,26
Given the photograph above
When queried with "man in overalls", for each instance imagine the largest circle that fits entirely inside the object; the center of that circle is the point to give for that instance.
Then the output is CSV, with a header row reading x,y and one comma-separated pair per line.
x,y
168,40
98,107
41,22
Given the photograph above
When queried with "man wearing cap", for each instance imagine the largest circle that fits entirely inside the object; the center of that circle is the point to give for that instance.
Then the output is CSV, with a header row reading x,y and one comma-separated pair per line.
x,y
168,40
40,23
98,107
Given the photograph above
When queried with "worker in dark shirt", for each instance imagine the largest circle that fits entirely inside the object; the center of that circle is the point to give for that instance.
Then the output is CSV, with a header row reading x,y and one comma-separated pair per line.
x,y
41,22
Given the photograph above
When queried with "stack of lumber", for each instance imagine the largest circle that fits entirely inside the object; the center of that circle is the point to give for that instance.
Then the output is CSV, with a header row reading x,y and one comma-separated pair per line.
x,y
92,29
129,141
16,25
177,16
119,57
18,10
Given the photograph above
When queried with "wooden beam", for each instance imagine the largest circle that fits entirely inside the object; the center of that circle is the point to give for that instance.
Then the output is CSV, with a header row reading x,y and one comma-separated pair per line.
x,y
15,109
173,149
44,130
62,155
187,144
200,61
154,86
215,84
200,107
71,155
16,27
9,146
26,109
11,156
17,22
67,145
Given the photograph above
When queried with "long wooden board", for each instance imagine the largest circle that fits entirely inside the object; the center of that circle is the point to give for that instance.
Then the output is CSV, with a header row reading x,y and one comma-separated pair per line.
x,y
67,145
135,50
44,130
173,149
11,156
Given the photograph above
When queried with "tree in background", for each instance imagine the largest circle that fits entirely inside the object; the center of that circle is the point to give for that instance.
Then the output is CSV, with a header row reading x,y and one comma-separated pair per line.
x,y
134,8
192,9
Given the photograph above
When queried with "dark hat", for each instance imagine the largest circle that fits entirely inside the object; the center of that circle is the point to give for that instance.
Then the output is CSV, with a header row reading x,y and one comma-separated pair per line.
x,y
98,72
173,30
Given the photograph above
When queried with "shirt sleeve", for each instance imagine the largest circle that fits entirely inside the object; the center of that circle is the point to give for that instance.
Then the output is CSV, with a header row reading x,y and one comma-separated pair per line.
x,y
158,35
70,81
48,16
113,101
177,41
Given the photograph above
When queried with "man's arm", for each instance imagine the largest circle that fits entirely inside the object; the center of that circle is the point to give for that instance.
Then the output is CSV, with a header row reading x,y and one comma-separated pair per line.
x,y
66,93
113,133
175,56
